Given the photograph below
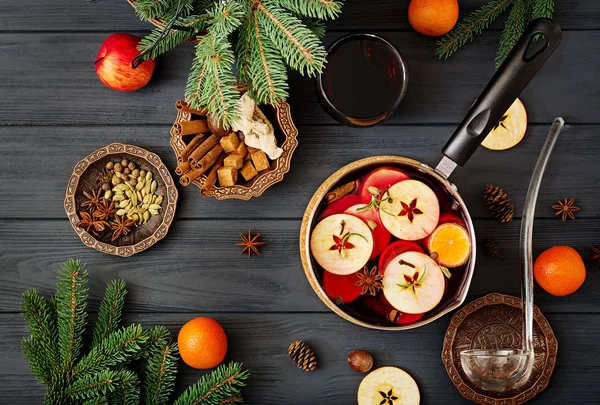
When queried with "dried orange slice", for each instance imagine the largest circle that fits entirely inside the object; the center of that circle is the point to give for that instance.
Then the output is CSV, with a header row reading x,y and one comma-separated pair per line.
x,y
510,130
451,245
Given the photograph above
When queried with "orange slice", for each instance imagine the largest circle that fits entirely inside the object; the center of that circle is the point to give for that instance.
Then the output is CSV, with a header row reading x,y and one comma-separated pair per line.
x,y
451,243
510,130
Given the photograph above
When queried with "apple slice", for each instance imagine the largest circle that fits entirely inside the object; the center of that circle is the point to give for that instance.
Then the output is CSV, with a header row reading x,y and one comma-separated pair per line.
x,y
341,205
341,289
381,178
412,210
413,283
388,386
394,249
341,244
381,236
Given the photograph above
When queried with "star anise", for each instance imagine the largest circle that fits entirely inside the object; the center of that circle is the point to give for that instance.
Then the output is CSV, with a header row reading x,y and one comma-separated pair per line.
x,y
92,200
388,397
104,210
566,208
121,226
370,281
250,243
90,224
410,210
595,255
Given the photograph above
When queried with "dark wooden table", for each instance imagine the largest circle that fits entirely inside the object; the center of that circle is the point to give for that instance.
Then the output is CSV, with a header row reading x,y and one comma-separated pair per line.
x,y
54,111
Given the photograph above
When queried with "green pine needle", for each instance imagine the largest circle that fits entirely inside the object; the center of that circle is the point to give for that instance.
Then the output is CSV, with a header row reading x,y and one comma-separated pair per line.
x,y
96,401
127,394
102,383
71,297
471,25
159,9
223,19
317,27
543,8
221,386
158,337
110,311
161,373
517,21
322,9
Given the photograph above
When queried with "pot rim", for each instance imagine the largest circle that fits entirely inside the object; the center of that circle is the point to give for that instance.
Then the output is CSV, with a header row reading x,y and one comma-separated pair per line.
x,y
318,197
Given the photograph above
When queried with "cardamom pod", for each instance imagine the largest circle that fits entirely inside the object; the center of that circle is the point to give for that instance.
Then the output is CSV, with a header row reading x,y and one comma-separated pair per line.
x,y
121,212
147,199
146,216
159,200
153,186
153,199
107,195
140,185
153,212
148,176
128,193
154,207
139,196
147,187
119,197
134,200
136,217
124,203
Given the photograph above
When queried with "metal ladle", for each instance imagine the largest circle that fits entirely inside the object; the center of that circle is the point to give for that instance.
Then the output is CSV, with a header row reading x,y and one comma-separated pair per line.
x,y
506,368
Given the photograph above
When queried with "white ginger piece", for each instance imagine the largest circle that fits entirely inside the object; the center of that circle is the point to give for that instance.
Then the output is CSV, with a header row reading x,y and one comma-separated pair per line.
x,y
258,131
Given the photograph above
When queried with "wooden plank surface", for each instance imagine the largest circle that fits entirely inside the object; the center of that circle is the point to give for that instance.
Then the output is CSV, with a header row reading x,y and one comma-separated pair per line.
x,y
261,341
57,68
198,267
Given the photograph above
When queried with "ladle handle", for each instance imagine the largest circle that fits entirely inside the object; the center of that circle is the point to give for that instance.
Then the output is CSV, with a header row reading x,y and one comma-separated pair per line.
x,y
519,67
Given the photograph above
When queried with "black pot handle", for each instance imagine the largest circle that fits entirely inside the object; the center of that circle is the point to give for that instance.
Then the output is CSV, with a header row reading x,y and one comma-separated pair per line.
x,y
521,64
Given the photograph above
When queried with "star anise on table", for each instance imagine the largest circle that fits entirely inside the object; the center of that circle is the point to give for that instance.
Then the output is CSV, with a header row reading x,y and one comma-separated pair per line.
x,y
250,243
92,200
90,224
121,226
104,210
595,255
566,208
370,281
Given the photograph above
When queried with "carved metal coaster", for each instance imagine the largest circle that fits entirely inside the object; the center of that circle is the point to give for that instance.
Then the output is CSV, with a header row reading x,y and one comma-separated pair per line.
x,y
492,322
286,134
84,176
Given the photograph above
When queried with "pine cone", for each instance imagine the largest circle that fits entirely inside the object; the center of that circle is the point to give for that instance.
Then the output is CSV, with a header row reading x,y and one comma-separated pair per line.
x,y
302,355
490,247
498,203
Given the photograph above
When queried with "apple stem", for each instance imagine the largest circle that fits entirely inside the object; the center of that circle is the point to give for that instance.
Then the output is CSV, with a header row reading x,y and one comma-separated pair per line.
x,y
98,60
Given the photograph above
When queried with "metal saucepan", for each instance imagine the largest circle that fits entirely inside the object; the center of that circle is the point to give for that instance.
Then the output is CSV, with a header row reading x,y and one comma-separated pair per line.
x,y
529,54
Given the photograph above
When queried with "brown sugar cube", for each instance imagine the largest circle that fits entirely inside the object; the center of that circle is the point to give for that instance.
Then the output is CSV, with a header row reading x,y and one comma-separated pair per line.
x,y
248,171
230,142
241,149
235,161
252,150
227,176
260,160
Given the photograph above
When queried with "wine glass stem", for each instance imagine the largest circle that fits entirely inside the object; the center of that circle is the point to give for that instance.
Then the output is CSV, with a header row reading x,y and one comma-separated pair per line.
x,y
527,232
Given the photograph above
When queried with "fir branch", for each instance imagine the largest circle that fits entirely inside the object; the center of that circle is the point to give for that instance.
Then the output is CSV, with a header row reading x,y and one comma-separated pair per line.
x,y
71,296
244,45
41,350
220,386
161,373
471,25
110,311
223,19
100,384
317,27
543,8
300,48
159,9
322,9
128,394
97,401
157,338
517,21
118,348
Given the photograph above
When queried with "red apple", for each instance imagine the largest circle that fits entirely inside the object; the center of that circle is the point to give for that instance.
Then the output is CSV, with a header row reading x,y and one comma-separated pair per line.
x,y
394,250
382,179
341,205
113,63
381,306
381,236
341,289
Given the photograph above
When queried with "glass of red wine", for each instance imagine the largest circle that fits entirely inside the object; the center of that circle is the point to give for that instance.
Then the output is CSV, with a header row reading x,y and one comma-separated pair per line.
x,y
364,81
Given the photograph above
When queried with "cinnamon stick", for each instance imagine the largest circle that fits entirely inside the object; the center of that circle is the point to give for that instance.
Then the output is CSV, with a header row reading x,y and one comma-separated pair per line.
x,y
183,128
210,158
185,153
182,168
190,176
202,150
211,177
183,106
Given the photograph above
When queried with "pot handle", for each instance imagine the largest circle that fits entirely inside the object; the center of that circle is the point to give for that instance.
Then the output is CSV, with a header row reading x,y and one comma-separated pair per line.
x,y
521,64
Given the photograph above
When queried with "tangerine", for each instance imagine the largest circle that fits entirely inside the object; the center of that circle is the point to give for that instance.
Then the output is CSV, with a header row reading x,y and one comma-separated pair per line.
x,y
202,343
559,270
433,17
451,243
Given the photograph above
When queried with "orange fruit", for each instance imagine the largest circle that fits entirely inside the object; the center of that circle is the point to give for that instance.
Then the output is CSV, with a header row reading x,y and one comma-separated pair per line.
x,y
433,17
510,130
451,243
202,343
559,270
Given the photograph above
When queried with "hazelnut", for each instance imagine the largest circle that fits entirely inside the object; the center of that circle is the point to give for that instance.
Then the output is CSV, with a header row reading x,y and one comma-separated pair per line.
x,y
110,165
118,167
126,170
215,127
360,361
124,162
131,165
135,172
106,187
133,181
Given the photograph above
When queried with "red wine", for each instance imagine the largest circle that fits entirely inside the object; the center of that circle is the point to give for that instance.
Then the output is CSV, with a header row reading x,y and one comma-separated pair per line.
x,y
364,80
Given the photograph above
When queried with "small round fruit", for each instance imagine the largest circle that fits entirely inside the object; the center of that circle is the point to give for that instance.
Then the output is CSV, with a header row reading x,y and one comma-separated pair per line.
x,y
360,361
126,170
202,343
510,130
451,243
341,244
135,173
341,289
433,17
381,236
341,205
105,187
110,165
413,283
381,178
559,270
131,166
125,162
388,385
412,212
394,249
118,167
142,173
133,181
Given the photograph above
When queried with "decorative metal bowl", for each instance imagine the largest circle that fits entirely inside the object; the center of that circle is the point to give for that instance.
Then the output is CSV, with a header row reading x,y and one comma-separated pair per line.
x,y
84,177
